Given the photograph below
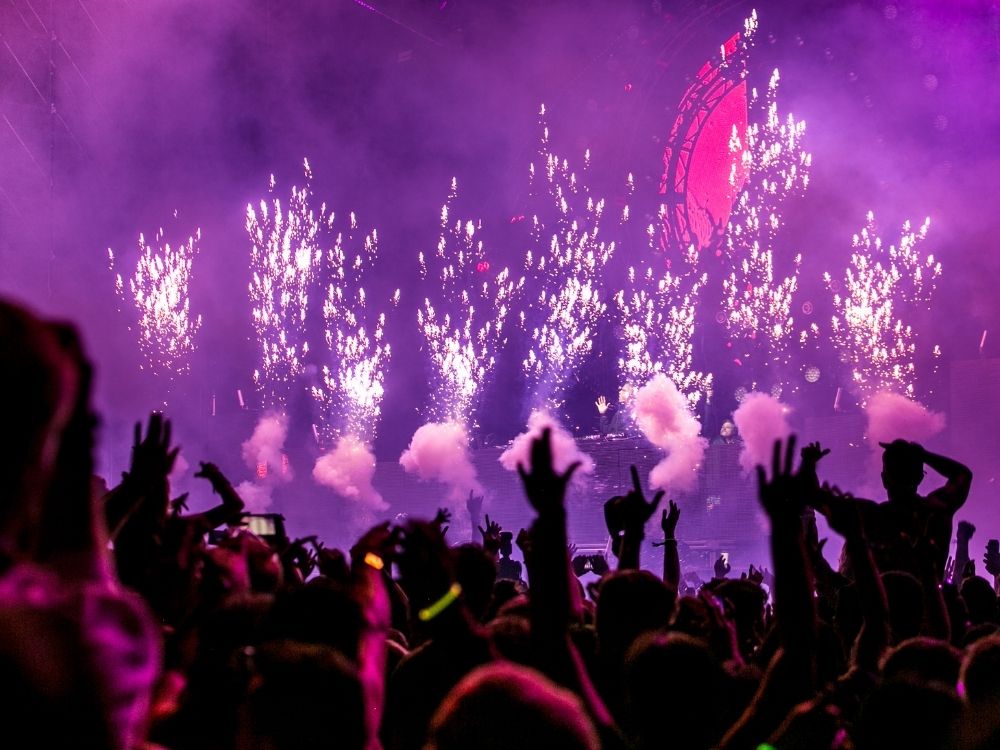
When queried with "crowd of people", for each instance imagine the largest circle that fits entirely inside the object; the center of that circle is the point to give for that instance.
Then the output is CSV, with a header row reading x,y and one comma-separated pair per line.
x,y
128,622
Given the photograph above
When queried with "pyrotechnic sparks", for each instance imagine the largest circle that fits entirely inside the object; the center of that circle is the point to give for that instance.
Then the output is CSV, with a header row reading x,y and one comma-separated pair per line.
x,y
757,301
759,307
159,292
872,337
284,254
776,165
463,316
352,389
566,265
658,317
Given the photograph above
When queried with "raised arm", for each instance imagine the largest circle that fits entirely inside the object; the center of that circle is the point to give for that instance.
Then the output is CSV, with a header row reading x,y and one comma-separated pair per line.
x,y
228,511
794,605
140,502
368,559
790,677
671,561
959,480
549,577
626,518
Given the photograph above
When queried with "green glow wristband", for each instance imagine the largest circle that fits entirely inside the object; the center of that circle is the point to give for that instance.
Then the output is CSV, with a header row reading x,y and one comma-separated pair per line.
x,y
433,610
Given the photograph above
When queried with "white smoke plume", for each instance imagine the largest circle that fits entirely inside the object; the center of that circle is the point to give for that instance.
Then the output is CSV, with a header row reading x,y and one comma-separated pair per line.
x,y
440,451
892,417
664,415
267,444
760,419
564,448
256,497
348,469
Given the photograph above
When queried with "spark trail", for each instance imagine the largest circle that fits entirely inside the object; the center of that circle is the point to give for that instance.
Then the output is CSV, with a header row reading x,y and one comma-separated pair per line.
x,y
353,386
565,265
463,316
878,286
757,299
658,318
158,290
284,256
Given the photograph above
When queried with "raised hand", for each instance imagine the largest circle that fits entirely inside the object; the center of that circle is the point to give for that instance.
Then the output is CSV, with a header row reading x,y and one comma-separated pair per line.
x,y
668,522
991,559
232,504
544,486
474,505
784,494
722,567
813,453
602,405
152,456
631,511
442,518
209,471
179,504
626,518
491,535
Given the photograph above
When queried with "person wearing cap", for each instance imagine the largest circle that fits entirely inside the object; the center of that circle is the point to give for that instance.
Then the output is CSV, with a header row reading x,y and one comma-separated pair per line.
x,y
909,524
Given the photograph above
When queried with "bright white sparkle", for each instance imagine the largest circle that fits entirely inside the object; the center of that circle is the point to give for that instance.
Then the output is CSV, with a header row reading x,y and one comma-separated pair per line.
x,y
463,316
867,328
158,290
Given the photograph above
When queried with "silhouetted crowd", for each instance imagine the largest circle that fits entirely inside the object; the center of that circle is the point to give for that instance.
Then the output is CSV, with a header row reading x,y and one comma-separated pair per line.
x,y
128,622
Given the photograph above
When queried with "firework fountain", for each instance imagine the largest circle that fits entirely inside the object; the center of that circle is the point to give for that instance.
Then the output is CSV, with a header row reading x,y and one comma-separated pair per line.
x,y
352,387
757,299
565,267
288,264
462,320
658,319
879,284
284,257
158,290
